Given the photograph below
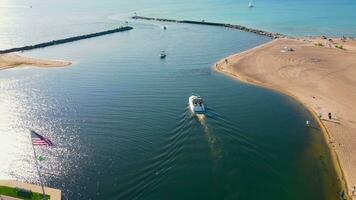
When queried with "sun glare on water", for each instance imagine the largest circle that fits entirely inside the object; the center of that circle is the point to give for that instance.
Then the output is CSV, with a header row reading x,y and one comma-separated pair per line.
x,y
15,143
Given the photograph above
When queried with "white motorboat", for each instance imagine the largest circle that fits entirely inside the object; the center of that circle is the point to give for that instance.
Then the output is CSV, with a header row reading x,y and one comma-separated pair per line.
x,y
250,4
196,104
162,55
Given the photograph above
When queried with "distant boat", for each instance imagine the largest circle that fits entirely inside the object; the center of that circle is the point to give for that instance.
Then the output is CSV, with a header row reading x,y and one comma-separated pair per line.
x,y
164,27
250,4
162,55
196,104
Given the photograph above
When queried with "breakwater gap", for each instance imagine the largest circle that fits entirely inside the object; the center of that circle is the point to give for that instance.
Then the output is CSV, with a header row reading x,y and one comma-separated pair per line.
x,y
239,27
65,40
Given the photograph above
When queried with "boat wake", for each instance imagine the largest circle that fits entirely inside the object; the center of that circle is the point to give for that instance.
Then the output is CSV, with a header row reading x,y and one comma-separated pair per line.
x,y
156,168
214,145
181,140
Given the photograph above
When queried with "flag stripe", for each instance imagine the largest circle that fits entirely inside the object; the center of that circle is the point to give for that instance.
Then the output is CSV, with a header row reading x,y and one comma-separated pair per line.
x,y
39,140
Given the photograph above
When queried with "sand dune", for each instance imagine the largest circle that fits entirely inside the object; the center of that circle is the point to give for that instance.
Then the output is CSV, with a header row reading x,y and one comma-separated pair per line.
x,y
15,60
320,73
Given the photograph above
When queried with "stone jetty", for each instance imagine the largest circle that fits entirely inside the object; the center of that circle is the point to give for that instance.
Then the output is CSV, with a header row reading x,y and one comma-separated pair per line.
x,y
65,40
239,27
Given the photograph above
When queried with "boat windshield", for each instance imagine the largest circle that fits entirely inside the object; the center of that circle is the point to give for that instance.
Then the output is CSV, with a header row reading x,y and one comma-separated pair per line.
x,y
198,101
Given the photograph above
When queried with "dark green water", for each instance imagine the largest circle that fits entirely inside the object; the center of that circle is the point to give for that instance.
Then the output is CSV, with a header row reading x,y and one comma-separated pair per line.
x,y
120,120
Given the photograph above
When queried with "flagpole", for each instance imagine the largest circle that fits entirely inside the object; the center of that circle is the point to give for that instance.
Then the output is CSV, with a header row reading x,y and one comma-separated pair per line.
x,y
38,170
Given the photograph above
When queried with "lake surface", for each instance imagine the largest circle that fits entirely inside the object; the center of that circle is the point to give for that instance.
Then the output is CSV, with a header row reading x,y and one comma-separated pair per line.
x,y
33,21
122,129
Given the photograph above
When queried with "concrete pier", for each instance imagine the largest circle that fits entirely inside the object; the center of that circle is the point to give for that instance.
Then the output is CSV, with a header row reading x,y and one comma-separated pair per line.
x,y
65,40
239,27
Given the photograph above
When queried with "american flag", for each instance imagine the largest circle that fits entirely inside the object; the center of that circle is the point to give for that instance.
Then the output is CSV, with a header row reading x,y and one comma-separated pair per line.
x,y
39,140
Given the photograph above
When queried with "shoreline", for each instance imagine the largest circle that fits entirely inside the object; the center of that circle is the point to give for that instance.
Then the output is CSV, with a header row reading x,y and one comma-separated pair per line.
x,y
326,135
240,68
14,60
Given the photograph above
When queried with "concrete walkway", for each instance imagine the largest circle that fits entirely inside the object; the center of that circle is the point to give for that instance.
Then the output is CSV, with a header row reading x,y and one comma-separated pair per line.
x,y
54,194
3,197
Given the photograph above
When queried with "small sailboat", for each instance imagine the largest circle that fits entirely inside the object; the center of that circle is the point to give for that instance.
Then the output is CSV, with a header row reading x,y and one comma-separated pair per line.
x,y
196,104
250,5
162,55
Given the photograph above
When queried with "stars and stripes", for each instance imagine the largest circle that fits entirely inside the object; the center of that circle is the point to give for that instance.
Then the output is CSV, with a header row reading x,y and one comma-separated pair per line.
x,y
39,140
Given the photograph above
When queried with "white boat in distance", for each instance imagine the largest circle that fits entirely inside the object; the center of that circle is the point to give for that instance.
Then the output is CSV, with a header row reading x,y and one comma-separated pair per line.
x,y
196,104
250,4
162,55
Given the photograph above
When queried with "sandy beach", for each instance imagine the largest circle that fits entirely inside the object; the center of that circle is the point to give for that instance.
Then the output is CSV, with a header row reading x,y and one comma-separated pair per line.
x,y
16,60
318,72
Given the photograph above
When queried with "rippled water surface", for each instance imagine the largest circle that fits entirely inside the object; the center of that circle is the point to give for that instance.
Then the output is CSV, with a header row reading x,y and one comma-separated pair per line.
x,y
33,21
122,129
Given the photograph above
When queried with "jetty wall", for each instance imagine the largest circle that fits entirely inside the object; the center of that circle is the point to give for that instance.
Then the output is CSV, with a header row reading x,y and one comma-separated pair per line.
x,y
65,40
239,27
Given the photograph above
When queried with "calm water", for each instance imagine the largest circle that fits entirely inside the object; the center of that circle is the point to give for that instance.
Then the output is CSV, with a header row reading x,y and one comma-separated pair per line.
x,y
119,115
120,120
20,24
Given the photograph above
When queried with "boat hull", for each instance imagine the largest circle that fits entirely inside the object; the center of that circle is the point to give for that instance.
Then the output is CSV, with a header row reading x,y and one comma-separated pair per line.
x,y
196,107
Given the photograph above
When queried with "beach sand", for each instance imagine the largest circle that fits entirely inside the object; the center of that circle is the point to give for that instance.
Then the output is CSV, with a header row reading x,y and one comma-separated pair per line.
x,y
318,73
15,60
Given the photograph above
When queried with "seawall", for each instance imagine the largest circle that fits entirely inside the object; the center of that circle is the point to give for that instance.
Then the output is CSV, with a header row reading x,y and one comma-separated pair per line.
x,y
238,27
65,40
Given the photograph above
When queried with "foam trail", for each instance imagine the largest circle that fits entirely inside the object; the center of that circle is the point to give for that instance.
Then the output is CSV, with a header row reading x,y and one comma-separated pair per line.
x,y
215,148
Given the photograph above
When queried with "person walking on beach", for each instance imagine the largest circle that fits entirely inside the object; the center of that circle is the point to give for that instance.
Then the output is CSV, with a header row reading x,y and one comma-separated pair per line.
x,y
353,190
226,61
307,123
329,115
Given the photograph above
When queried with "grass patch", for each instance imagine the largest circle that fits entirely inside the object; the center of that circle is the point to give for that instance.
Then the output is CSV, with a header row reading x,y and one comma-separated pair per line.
x,y
20,193
339,47
319,44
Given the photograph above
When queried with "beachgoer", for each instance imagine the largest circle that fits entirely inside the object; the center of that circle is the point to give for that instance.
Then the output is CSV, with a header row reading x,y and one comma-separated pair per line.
x,y
353,190
329,115
226,61
307,123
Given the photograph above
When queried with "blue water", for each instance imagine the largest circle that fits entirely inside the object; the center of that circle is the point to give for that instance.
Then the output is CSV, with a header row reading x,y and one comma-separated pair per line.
x,y
20,24
122,129
119,115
